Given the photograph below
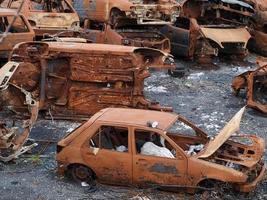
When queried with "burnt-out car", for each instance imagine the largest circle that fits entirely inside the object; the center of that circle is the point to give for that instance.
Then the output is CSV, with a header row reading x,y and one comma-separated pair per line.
x,y
138,36
219,11
254,82
141,11
203,42
75,80
159,149
13,30
47,16
14,137
205,29
258,42
258,28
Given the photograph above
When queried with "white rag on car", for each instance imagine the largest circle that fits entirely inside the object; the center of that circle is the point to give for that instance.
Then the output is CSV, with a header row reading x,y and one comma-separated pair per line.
x,y
194,149
149,148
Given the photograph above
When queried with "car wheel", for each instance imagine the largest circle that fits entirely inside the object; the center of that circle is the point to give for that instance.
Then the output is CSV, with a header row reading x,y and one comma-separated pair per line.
x,y
81,173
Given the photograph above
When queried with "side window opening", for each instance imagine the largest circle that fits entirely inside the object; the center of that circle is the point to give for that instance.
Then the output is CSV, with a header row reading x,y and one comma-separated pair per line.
x,y
179,130
95,140
18,26
153,144
52,6
111,137
180,127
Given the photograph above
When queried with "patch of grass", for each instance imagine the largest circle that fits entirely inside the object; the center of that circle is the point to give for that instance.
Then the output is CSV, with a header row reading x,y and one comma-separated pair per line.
x,y
35,159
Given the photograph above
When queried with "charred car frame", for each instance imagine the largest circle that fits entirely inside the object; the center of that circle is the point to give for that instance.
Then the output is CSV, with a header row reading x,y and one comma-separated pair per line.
x,y
112,147
142,12
75,80
254,82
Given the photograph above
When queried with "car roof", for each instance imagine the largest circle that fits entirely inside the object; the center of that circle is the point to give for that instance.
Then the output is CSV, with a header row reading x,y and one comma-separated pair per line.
x,y
6,11
137,117
85,47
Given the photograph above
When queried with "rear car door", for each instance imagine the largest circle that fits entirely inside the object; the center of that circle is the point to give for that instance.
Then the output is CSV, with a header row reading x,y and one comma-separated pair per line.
x,y
109,154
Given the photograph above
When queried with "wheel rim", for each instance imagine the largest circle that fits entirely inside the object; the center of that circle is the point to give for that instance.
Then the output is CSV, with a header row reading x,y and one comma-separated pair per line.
x,y
81,173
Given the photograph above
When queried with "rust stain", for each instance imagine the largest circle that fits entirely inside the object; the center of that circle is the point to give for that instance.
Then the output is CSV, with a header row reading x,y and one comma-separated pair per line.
x,y
160,168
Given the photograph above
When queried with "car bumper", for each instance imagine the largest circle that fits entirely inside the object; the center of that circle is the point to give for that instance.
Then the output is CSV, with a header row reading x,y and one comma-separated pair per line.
x,y
61,168
247,187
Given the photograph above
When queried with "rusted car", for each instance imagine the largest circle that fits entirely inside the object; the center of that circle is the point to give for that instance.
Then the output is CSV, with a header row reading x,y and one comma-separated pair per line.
x,y
138,36
13,141
234,12
142,12
75,80
204,42
13,29
151,148
258,28
209,28
254,82
258,42
49,16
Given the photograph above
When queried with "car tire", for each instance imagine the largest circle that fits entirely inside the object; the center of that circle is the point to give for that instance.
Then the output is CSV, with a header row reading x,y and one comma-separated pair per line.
x,y
81,173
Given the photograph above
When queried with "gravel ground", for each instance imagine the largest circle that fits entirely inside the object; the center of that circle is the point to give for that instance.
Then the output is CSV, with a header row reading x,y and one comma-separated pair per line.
x,y
203,96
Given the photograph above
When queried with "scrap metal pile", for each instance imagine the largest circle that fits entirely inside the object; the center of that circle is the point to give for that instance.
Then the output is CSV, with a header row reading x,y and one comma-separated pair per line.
x,y
71,59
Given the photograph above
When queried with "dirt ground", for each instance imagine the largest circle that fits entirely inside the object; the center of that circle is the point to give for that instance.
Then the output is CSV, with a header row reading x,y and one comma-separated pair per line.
x,y
203,96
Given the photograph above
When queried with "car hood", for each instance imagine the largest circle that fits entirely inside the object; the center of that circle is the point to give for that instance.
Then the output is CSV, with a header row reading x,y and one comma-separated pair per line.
x,y
226,35
231,127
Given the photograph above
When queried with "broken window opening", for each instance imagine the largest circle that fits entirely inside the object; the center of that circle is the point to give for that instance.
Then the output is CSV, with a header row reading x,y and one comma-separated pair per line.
x,y
181,128
55,6
18,26
153,144
111,138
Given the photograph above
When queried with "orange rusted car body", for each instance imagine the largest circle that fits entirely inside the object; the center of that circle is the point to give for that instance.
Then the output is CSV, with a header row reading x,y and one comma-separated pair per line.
x,y
47,18
128,36
203,42
206,29
221,11
222,158
144,12
258,30
75,80
20,31
258,42
255,84
12,140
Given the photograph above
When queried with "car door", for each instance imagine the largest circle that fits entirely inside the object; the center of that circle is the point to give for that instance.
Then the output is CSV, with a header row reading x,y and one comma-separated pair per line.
x,y
109,154
157,170
179,36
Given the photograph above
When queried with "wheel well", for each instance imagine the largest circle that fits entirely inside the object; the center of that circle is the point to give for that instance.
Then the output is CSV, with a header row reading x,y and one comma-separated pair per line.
x,y
76,164
116,9
208,182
